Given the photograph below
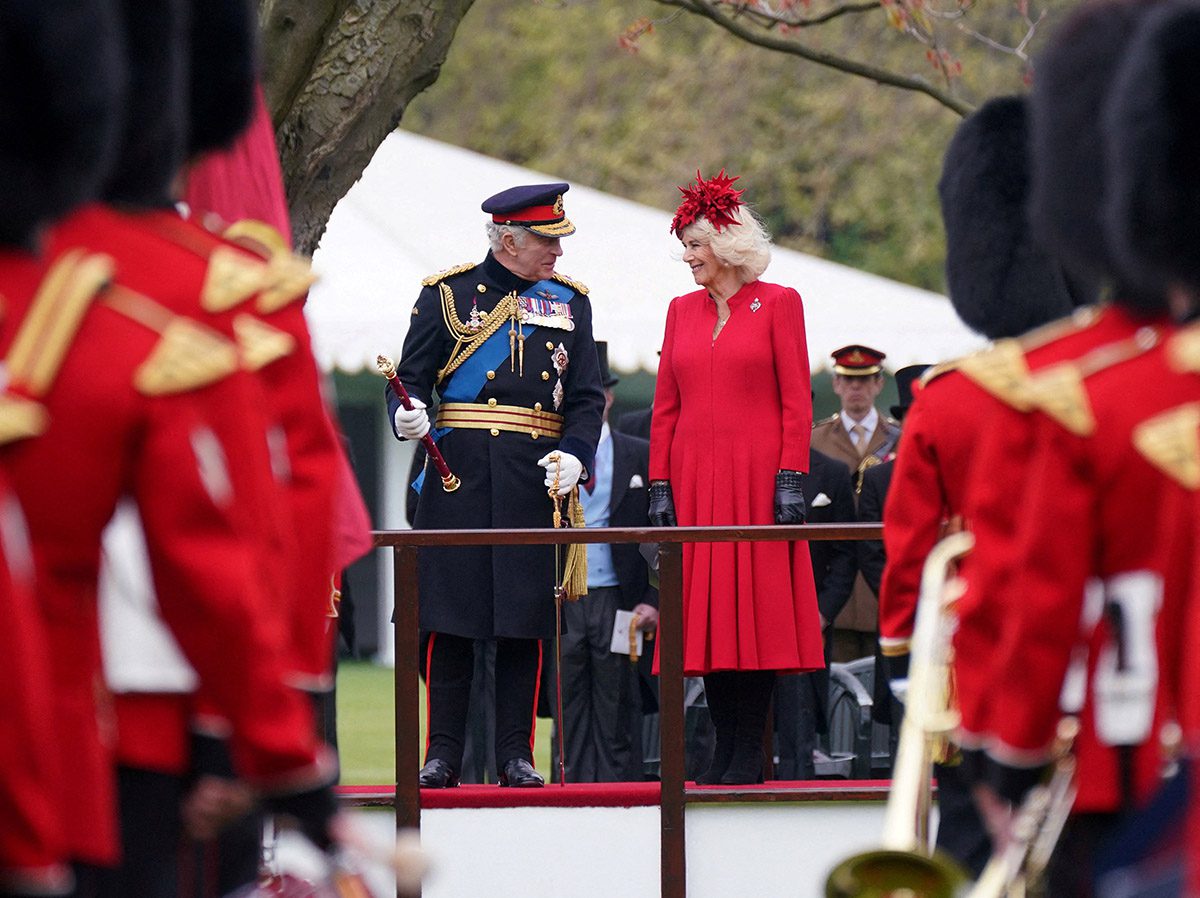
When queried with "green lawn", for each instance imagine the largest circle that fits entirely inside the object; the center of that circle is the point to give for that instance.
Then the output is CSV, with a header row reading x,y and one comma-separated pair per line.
x,y
366,716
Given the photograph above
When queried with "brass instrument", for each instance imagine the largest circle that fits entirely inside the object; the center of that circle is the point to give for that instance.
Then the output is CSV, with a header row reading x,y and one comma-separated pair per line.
x,y
906,864
1014,870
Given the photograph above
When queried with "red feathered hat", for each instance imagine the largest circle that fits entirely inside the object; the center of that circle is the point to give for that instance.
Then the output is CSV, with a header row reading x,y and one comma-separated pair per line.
x,y
714,199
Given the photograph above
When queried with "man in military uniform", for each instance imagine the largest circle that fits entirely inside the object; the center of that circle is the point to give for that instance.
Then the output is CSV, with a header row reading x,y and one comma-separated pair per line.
x,y
860,437
507,347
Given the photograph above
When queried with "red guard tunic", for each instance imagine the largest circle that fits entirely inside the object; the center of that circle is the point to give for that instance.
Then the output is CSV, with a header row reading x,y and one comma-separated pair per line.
x,y
1103,457
255,303
729,413
31,832
133,416
993,500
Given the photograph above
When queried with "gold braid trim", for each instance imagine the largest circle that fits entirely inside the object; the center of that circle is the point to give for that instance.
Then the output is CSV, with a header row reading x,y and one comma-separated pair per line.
x,y
467,341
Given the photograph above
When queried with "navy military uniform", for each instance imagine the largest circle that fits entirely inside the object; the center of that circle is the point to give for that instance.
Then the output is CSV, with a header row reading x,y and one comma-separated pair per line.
x,y
514,367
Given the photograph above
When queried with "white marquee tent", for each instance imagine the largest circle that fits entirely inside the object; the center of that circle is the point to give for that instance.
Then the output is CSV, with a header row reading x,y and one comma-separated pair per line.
x,y
416,211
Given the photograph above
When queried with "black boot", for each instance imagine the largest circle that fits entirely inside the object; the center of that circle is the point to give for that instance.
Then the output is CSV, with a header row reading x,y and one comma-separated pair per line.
x,y
718,694
753,693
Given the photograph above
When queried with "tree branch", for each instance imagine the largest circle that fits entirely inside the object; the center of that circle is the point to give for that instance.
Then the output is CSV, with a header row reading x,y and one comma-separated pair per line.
x,y
707,9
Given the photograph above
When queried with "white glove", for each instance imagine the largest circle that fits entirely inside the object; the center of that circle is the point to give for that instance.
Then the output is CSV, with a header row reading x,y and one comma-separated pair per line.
x,y
412,424
563,465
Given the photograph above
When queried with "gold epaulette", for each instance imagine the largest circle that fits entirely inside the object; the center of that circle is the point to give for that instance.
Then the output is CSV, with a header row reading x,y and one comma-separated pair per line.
x,y
1171,442
933,373
232,278
261,343
1001,371
285,278
1081,318
66,292
1183,349
828,420
570,282
1058,390
188,354
435,279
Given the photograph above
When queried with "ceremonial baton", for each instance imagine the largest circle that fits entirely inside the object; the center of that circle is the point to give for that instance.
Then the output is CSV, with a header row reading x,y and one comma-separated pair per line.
x,y
386,367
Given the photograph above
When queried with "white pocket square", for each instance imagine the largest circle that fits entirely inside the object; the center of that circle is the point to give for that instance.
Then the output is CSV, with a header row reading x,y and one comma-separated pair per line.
x,y
821,501
636,481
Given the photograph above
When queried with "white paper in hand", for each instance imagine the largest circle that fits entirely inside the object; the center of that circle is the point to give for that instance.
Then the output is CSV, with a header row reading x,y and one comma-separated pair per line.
x,y
620,634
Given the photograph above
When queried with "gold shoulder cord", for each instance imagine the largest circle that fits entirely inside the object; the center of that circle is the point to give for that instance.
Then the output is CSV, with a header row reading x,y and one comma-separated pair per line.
x,y
466,340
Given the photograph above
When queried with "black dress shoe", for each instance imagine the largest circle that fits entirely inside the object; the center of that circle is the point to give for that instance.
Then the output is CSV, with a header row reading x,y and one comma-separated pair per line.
x,y
520,773
437,774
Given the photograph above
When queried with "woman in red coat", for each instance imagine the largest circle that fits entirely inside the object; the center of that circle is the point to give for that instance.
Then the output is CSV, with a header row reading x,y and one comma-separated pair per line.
x,y
729,438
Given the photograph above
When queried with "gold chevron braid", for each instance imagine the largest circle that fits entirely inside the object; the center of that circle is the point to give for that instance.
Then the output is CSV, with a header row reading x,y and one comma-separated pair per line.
x,y
189,355
54,317
1171,442
261,343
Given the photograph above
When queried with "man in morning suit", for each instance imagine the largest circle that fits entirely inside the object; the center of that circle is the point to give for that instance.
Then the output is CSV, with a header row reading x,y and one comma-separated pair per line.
x,y
506,348
601,725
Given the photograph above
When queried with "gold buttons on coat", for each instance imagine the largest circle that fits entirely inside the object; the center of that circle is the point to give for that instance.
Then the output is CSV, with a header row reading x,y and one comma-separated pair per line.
x,y
537,406
549,345
481,288
545,375
495,432
492,402
535,434
491,375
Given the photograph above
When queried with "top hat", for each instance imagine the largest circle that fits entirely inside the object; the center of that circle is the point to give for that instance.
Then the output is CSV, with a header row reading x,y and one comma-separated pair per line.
x,y
607,378
905,378
1002,283
1152,135
857,361
538,207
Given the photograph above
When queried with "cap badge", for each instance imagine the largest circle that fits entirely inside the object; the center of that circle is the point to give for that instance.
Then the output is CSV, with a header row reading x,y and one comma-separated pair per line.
x,y
558,205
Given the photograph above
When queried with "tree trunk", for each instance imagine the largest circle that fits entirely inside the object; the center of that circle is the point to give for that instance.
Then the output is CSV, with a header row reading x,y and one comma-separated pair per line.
x,y
338,75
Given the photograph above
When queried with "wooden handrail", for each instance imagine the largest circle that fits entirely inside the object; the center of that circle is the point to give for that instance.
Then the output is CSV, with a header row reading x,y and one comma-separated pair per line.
x,y
674,794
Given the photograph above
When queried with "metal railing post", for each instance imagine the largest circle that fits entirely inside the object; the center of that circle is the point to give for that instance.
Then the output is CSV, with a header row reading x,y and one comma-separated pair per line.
x,y
407,700
673,761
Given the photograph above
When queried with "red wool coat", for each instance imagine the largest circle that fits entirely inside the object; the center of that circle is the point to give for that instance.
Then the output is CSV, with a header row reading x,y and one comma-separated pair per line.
x,y
728,414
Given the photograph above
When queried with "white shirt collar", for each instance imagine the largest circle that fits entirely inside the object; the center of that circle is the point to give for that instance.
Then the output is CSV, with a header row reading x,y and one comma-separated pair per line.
x,y
870,422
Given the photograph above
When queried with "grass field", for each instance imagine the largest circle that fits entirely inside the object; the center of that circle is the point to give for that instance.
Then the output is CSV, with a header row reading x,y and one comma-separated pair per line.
x,y
366,715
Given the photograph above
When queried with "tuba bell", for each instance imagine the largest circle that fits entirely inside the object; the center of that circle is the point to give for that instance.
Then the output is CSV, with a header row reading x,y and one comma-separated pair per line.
x,y
906,865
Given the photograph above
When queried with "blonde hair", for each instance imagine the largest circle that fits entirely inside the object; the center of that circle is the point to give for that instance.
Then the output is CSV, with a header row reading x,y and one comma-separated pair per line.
x,y
745,246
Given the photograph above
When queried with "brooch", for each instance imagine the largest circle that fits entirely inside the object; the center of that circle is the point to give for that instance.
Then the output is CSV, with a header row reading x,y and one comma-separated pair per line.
x,y
756,305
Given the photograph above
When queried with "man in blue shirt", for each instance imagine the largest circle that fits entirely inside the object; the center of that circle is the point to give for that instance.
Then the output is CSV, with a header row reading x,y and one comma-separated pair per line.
x,y
601,698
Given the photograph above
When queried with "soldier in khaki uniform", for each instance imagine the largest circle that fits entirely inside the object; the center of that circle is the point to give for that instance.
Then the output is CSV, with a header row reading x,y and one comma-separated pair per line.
x,y
861,437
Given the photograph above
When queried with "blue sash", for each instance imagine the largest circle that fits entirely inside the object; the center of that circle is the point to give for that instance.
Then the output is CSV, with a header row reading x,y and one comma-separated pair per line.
x,y
469,377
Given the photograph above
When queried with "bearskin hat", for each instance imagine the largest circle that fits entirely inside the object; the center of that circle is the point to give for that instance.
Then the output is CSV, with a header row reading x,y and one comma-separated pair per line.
x,y
1073,78
1001,282
62,83
152,145
1152,126
224,63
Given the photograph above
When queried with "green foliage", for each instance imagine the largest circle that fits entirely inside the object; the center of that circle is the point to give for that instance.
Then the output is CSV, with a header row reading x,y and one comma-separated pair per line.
x,y
838,166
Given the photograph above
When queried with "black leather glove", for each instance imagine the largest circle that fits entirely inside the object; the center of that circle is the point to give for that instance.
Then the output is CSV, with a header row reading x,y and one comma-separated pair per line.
x,y
789,498
662,504
312,810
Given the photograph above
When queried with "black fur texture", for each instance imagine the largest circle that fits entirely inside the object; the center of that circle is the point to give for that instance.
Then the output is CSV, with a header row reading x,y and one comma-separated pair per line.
x,y
1152,126
1001,282
62,88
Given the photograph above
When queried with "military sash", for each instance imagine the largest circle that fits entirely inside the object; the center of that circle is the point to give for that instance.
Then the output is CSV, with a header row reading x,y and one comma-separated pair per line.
x,y
540,304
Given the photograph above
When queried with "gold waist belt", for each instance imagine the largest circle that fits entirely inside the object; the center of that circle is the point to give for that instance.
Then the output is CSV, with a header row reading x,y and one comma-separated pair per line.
x,y
514,418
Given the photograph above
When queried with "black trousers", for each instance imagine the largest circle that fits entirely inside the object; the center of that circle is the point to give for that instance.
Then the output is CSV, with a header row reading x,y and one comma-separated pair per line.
x,y
796,710
449,665
600,694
